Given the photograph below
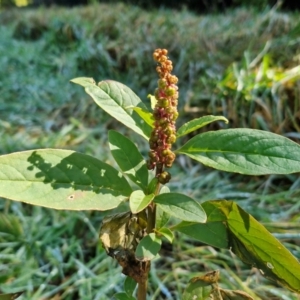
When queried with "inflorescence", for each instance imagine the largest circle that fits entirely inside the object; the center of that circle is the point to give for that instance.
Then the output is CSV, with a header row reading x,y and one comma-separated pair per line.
x,y
165,114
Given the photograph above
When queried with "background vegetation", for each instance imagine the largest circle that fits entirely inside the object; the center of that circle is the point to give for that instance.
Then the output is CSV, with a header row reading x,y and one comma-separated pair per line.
x,y
243,64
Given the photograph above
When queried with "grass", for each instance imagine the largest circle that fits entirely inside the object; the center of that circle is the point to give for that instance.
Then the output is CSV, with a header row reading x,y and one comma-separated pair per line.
x,y
56,254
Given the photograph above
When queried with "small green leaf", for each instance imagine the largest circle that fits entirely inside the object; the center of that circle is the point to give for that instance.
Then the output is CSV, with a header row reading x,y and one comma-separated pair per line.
x,y
61,179
152,186
167,233
128,158
139,201
153,100
181,206
211,233
162,217
84,81
117,100
198,123
145,115
245,151
129,285
148,247
123,296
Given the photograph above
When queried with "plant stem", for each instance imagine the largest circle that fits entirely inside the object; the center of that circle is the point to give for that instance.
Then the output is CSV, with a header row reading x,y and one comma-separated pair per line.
x,y
151,220
142,290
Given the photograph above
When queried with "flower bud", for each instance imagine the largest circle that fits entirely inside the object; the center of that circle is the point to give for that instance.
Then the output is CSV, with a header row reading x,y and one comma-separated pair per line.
x,y
164,177
171,139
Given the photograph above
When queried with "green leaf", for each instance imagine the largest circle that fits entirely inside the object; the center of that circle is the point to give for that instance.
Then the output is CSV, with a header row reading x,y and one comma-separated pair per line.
x,y
148,247
139,201
211,233
83,81
128,158
181,206
123,296
129,285
152,185
215,211
162,217
145,115
153,100
117,100
245,151
254,245
167,233
198,123
61,179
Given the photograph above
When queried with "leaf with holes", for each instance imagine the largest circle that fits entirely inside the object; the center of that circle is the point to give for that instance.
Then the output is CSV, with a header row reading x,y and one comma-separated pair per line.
x,y
61,179
256,246
245,151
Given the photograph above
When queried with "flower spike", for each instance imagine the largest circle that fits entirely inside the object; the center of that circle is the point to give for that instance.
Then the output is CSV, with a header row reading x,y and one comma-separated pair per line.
x,y
165,114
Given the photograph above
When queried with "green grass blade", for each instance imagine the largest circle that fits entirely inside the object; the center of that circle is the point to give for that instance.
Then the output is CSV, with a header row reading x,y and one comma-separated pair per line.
x,y
245,151
61,179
